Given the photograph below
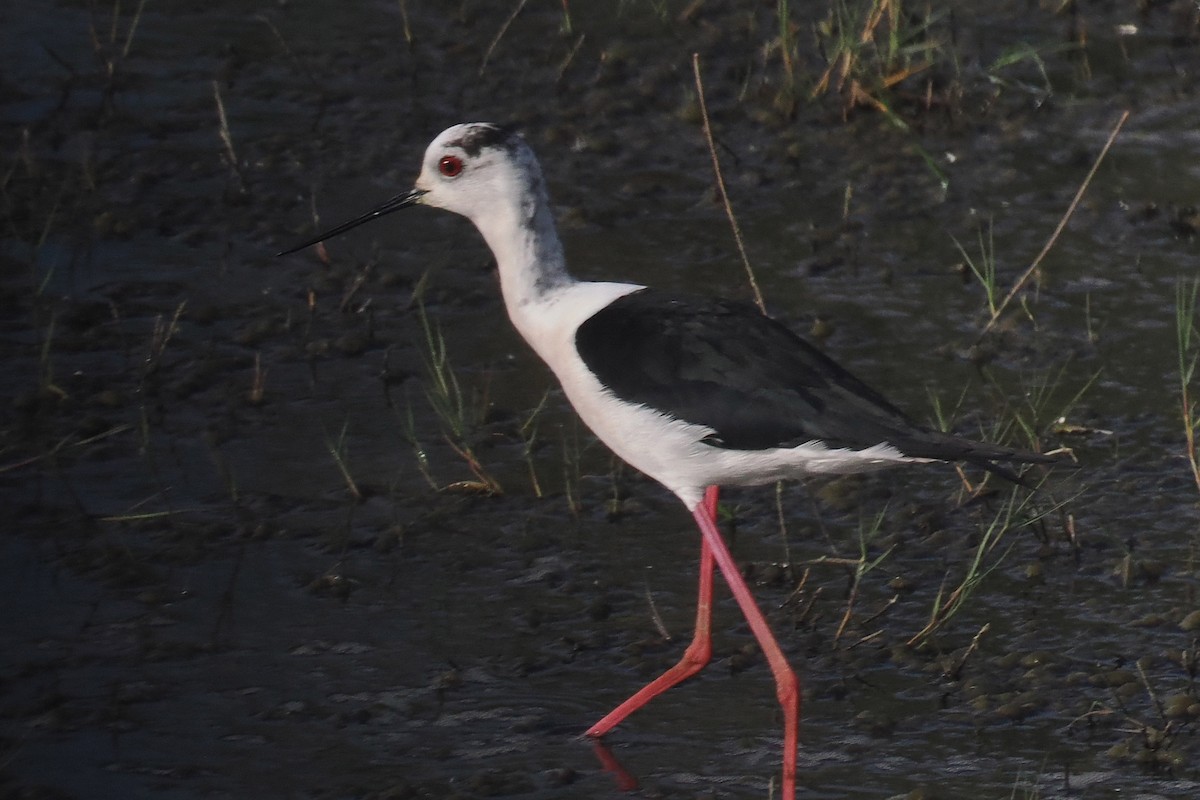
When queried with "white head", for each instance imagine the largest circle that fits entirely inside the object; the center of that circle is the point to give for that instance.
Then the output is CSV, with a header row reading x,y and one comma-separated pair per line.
x,y
483,171
471,168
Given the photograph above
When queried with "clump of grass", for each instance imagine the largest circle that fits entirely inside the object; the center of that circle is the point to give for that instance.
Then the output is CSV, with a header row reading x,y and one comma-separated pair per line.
x,y
984,560
983,267
443,390
863,565
1040,413
1187,340
1023,53
572,461
789,94
528,433
943,417
1018,510
419,452
870,46
457,416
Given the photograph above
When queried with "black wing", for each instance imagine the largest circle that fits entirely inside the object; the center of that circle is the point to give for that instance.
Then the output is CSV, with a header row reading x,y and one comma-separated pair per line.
x,y
750,379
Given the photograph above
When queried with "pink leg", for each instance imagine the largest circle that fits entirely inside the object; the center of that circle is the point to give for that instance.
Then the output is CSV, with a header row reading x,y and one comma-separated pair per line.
x,y
699,652
787,686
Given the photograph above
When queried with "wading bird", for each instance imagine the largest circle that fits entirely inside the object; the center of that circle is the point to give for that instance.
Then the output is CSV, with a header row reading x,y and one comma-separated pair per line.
x,y
694,392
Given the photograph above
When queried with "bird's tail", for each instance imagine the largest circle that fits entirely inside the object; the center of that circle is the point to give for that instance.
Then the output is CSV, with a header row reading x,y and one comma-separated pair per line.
x,y
991,457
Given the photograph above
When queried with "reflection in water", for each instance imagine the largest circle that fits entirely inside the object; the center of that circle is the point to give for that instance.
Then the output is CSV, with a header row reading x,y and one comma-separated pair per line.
x,y
625,781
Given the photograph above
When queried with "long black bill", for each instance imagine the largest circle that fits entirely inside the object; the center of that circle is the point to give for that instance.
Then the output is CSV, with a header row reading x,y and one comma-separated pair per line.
x,y
395,204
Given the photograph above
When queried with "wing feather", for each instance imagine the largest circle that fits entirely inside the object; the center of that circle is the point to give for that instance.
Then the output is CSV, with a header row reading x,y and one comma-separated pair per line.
x,y
751,380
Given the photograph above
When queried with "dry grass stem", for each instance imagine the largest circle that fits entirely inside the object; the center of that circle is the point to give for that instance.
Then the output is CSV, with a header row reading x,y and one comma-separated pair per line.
x,y
656,617
562,68
500,35
483,483
1062,223
1185,330
971,648
258,386
338,451
733,223
223,132
408,36
133,26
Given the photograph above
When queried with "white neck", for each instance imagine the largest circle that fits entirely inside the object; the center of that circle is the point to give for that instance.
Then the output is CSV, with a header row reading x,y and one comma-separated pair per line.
x,y
519,230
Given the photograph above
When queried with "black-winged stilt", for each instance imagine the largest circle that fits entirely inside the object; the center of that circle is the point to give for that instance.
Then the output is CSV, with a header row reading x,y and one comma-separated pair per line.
x,y
694,392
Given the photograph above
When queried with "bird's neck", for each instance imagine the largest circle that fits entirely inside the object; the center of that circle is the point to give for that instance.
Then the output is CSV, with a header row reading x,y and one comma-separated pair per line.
x,y
528,253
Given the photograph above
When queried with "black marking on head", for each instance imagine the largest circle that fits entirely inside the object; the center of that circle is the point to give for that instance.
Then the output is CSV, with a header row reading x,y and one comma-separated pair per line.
x,y
485,135
750,379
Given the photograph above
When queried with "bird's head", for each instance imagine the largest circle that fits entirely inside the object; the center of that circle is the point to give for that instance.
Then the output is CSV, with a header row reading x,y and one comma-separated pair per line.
x,y
473,169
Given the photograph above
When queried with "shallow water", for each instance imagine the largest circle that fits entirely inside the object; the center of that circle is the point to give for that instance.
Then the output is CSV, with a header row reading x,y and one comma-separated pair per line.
x,y
199,607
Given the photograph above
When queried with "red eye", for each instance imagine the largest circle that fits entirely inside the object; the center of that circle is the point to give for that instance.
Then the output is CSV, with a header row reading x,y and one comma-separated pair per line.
x,y
450,166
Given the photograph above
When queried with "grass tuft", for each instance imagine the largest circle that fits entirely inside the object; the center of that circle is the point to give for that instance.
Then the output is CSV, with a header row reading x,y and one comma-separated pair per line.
x,y
863,565
1017,511
984,267
457,416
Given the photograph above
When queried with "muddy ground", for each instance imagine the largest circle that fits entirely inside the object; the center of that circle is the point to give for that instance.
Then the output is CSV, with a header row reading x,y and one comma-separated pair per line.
x,y
244,558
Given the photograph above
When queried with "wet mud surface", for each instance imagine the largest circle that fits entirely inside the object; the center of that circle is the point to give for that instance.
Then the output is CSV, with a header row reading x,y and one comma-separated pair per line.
x,y
243,557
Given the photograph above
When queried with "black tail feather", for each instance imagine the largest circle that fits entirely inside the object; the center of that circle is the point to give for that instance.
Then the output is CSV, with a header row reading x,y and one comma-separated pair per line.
x,y
1006,473
945,447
